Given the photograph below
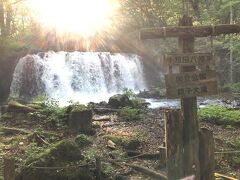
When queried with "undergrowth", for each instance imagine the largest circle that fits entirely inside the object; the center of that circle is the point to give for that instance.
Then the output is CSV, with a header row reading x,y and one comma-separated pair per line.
x,y
220,115
130,114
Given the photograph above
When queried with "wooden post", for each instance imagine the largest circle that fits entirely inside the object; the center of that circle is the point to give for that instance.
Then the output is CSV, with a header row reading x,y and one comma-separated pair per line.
x,y
206,155
174,130
98,168
9,168
189,111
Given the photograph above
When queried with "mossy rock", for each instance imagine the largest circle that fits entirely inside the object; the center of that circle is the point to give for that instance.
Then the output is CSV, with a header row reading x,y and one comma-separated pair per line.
x,y
61,154
129,143
83,140
119,100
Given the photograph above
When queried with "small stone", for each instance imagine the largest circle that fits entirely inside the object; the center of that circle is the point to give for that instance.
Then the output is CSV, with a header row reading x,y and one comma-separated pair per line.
x,y
111,144
21,143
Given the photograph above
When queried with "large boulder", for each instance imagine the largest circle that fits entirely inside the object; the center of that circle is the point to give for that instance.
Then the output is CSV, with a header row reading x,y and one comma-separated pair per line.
x,y
119,100
62,154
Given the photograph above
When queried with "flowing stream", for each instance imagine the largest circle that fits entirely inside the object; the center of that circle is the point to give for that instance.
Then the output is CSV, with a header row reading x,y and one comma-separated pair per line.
x,y
76,76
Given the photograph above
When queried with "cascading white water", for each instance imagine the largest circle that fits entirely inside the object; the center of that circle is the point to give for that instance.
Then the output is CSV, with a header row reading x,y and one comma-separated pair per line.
x,y
76,76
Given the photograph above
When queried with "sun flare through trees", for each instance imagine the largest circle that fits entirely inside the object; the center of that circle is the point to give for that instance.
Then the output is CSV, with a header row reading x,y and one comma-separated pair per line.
x,y
85,18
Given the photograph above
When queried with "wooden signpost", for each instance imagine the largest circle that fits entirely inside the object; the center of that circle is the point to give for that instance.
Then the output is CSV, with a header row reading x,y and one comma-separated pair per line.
x,y
194,79
189,59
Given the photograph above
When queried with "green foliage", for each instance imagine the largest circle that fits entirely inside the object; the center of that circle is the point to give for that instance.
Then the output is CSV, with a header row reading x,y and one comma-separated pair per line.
x,y
31,152
236,143
83,140
39,99
76,107
232,88
91,153
129,93
130,114
55,114
107,168
220,115
118,154
136,101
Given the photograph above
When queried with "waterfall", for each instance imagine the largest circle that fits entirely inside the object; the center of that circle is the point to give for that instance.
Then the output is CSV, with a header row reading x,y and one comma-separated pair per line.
x,y
76,76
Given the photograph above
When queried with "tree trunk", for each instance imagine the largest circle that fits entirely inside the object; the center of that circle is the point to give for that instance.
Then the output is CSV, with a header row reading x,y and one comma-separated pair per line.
x,y
2,22
8,19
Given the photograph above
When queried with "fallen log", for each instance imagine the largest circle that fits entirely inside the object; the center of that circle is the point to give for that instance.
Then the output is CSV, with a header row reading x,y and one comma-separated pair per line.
x,y
149,172
104,110
13,131
16,107
143,155
102,118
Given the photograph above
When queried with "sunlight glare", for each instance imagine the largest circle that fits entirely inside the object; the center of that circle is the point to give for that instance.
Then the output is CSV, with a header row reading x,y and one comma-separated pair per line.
x,y
85,17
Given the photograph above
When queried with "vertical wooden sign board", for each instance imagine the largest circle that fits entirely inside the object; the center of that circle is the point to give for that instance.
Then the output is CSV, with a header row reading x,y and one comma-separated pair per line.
x,y
183,154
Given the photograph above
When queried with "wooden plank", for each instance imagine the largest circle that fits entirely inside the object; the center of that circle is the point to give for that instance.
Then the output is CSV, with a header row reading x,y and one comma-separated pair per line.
x,y
174,140
199,89
206,155
189,59
189,78
189,112
196,31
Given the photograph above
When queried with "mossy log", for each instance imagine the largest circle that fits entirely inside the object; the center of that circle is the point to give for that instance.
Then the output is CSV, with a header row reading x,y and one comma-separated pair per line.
x,y
16,107
13,131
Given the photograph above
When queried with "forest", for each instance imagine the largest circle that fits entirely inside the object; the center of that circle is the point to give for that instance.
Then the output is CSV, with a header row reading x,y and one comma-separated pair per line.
x,y
83,96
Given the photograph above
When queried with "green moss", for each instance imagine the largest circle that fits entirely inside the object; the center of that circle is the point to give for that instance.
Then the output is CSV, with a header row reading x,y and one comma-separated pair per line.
x,y
126,142
118,154
107,168
83,140
129,114
220,115
62,151
62,154
91,152
80,107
